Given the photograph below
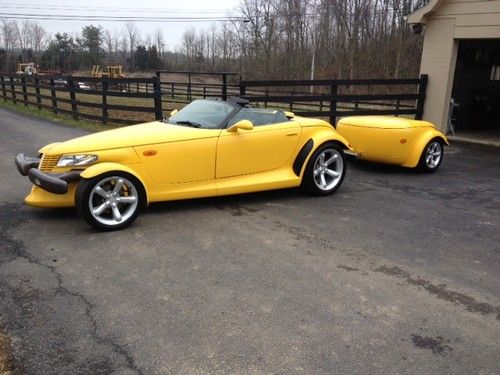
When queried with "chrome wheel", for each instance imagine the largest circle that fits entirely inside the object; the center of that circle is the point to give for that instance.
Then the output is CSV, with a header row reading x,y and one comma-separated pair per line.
x,y
433,154
113,200
328,169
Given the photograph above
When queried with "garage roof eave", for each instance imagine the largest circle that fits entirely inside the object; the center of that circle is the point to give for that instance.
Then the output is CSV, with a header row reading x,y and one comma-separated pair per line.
x,y
420,15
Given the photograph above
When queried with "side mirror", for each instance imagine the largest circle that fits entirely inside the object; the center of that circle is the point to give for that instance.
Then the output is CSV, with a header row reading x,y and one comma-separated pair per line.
x,y
174,112
242,124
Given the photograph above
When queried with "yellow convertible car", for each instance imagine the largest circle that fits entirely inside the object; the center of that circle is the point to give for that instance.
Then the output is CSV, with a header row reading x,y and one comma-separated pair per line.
x,y
209,148
394,140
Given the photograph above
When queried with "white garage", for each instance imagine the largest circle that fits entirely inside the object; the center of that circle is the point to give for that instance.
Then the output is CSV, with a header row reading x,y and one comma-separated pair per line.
x,y
461,56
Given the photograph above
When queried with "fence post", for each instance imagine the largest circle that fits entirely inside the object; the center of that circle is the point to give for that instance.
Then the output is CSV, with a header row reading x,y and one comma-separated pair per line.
x,y
333,105
72,96
25,93
13,90
422,88
173,90
224,86
242,88
4,91
37,91
157,98
53,94
105,87
189,87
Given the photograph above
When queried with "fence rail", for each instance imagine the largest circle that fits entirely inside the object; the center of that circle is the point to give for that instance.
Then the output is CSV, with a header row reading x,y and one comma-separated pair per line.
x,y
335,100
85,97
133,100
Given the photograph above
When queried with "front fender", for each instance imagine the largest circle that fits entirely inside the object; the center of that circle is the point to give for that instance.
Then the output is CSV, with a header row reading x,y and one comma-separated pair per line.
x,y
100,168
418,146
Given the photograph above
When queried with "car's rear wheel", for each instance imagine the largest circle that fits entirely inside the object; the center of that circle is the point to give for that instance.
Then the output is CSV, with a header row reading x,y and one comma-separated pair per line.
x,y
325,170
110,201
432,156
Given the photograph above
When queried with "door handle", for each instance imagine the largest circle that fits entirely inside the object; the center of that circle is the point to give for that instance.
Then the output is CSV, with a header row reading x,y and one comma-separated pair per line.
x,y
291,134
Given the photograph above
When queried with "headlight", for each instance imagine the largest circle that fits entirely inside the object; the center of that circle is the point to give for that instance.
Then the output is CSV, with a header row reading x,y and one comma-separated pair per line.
x,y
76,160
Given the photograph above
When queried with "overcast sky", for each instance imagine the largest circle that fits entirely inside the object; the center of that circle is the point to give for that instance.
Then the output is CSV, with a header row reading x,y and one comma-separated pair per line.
x,y
172,31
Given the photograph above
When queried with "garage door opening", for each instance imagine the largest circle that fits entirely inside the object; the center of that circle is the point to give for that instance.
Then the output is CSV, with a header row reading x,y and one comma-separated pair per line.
x,y
476,89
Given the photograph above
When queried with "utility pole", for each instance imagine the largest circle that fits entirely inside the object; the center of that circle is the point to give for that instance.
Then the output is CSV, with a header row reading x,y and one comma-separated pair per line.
x,y
313,37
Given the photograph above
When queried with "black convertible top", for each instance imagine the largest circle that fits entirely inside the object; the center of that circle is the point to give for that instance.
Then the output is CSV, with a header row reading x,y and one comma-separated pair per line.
x,y
237,100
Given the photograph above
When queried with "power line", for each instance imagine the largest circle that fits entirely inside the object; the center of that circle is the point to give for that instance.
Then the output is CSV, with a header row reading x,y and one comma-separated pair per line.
x,y
33,16
121,10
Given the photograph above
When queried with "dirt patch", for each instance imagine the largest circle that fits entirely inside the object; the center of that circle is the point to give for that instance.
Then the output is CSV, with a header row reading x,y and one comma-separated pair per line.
x,y
7,363
436,344
347,268
441,292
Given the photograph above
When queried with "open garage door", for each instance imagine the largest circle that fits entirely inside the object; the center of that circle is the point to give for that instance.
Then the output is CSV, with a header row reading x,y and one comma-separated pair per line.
x,y
476,88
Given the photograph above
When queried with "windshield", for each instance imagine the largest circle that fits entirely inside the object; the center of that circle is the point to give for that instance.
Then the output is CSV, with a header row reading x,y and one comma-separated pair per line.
x,y
207,114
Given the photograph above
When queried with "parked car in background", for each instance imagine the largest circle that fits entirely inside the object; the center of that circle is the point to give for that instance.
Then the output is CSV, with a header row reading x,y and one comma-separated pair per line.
x,y
60,82
83,85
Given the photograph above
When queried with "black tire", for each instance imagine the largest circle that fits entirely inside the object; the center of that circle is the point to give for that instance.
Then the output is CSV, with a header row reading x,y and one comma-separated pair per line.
x,y
311,180
432,156
91,193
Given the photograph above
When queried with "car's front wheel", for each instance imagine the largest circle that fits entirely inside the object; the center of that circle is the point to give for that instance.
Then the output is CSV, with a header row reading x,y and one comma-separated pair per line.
x,y
110,201
432,156
325,170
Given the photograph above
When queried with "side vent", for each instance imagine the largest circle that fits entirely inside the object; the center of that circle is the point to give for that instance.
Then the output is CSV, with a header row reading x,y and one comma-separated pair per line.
x,y
302,156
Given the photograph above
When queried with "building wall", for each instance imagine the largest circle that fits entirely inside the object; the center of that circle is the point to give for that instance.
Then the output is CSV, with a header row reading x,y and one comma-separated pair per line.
x,y
451,21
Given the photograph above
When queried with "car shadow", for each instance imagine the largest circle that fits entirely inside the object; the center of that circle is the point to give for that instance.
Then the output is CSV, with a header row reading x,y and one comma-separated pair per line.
x,y
381,168
227,201
55,214
55,217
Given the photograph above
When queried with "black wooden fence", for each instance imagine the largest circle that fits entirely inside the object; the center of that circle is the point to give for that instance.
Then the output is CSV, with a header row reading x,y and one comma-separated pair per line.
x,y
182,87
314,98
85,97
338,98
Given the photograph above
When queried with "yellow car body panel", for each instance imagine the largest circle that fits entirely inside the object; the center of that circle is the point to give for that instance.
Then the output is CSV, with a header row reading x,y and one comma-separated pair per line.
x,y
42,198
262,149
388,139
182,161
178,162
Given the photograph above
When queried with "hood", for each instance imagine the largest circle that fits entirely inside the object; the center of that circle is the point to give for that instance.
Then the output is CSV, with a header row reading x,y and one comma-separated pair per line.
x,y
135,135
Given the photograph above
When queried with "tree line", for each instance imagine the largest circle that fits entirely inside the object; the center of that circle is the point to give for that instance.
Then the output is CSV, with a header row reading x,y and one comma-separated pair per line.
x,y
275,39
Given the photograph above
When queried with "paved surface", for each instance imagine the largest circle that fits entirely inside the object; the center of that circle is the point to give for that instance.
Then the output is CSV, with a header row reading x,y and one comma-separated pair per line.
x,y
396,273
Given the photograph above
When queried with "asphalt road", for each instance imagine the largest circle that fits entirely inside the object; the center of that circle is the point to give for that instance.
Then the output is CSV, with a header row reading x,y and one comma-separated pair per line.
x,y
397,272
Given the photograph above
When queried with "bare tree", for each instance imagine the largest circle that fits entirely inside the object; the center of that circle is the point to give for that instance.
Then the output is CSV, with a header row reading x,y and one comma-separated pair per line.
x,y
133,36
9,40
38,39
159,42
109,44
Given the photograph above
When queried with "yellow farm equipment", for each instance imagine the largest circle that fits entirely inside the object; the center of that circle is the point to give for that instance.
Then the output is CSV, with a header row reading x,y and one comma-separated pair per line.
x,y
110,71
26,68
